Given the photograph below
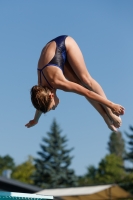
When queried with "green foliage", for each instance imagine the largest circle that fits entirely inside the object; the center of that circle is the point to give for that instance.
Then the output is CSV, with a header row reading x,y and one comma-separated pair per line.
x,y
24,171
129,154
52,168
116,144
6,162
110,170
128,184
89,178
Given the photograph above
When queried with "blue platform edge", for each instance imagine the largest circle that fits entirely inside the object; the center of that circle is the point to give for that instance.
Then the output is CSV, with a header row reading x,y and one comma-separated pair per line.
x,y
23,195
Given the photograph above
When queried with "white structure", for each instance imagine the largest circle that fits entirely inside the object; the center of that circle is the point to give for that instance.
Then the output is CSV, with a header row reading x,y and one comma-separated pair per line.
x,y
88,193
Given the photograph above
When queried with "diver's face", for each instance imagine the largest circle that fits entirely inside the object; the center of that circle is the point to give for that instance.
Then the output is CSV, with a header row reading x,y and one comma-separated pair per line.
x,y
54,101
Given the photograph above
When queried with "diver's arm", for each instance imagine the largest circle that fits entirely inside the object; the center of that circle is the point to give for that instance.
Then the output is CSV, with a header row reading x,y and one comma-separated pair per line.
x,y
34,121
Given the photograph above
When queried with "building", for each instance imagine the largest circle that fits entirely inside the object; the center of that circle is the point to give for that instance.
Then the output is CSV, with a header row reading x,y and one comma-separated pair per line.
x,y
10,185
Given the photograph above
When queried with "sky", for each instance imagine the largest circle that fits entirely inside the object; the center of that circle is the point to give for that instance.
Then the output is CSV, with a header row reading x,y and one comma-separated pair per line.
x,y
104,32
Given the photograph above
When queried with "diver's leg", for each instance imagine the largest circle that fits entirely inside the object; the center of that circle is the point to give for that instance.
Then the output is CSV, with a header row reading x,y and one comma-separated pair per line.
x,y
71,76
76,60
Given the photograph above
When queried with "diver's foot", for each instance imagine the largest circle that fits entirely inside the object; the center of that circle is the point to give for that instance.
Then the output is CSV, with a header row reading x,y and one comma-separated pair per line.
x,y
116,120
110,124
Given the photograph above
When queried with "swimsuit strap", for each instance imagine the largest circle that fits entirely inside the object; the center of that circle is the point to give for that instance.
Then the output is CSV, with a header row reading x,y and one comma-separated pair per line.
x,y
41,72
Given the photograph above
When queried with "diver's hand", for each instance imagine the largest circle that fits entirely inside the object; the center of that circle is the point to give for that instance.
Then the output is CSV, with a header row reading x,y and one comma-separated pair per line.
x,y
31,123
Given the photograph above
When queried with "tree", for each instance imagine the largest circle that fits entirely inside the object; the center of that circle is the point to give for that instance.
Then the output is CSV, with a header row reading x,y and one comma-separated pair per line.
x,y
129,154
24,171
116,145
89,178
52,168
110,170
129,166
6,162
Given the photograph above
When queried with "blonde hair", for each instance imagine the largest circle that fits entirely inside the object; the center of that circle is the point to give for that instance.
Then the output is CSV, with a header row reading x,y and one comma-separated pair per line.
x,y
40,98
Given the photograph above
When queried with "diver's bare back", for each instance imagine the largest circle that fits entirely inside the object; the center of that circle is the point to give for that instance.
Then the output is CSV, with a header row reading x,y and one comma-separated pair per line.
x,y
47,54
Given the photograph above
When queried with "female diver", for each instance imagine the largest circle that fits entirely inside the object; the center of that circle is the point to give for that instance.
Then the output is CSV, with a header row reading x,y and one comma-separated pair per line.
x,y
61,66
